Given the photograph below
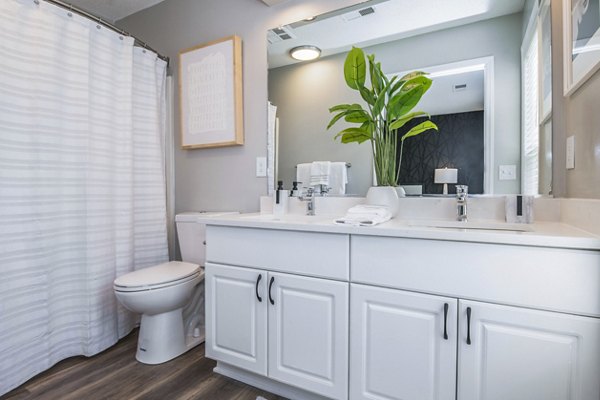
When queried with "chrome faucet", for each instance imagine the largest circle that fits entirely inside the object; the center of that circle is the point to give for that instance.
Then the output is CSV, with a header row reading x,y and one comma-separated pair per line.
x,y
462,192
309,197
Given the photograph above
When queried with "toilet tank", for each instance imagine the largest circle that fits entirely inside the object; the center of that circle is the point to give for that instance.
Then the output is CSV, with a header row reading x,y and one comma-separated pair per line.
x,y
191,234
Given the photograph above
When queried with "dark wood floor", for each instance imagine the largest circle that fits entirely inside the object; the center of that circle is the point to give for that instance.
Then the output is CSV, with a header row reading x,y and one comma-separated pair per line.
x,y
115,374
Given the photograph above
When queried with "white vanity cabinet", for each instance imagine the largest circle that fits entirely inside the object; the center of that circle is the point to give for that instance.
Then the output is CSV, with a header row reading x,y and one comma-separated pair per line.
x,y
403,345
308,334
288,327
522,354
504,352
236,316
314,314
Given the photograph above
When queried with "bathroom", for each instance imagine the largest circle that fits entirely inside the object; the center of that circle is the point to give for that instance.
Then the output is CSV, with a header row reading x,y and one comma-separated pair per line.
x,y
224,179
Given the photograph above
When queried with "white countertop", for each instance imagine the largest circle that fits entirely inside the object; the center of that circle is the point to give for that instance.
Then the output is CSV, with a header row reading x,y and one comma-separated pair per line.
x,y
544,234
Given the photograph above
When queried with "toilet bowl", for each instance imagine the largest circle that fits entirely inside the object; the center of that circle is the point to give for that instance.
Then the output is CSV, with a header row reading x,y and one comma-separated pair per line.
x,y
160,293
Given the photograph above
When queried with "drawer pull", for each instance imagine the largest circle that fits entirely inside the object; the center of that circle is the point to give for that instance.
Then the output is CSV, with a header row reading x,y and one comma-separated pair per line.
x,y
270,286
468,325
446,321
257,282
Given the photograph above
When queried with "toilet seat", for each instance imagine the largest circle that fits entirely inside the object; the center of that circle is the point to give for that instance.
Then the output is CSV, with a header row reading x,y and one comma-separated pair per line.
x,y
157,277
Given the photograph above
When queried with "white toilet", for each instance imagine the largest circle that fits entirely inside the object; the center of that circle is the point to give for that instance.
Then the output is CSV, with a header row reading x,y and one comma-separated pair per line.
x,y
161,292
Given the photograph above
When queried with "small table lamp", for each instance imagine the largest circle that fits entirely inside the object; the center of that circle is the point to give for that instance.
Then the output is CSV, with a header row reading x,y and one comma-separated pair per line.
x,y
445,176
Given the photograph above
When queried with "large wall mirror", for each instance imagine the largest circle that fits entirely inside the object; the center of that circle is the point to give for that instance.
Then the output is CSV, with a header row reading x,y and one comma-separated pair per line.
x,y
489,62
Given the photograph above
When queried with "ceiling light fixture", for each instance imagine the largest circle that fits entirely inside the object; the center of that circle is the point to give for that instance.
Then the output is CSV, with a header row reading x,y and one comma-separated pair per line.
x,y
305,53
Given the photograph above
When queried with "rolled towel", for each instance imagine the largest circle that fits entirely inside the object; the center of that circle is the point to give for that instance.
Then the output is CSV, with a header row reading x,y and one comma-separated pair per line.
x,y
365,215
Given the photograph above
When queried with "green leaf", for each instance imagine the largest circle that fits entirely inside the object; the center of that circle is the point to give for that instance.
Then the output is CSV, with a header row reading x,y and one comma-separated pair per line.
x,y
343,107
403,102
367,95
412,75
375,81
400,122
379,103
355,69
357,117
336,118
419,80
405,78
417,130
345,110
350,135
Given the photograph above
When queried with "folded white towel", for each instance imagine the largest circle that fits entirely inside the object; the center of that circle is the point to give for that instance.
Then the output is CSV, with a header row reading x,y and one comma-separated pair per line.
x,y
338,178
365,215
320,172
303,174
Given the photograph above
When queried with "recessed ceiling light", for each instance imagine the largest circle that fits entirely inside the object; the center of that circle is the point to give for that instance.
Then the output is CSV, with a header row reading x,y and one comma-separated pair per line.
x,y
310,18
305,53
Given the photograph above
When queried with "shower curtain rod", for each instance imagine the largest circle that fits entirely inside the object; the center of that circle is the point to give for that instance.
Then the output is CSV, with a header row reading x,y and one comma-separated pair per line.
x,y
102,22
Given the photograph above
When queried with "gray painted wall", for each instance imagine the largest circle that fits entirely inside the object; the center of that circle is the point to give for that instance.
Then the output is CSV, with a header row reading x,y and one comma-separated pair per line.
x,y
222,178
304,92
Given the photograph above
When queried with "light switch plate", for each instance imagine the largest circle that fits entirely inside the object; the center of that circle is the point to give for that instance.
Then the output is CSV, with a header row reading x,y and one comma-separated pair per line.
x,y
261,167
571,152
507,172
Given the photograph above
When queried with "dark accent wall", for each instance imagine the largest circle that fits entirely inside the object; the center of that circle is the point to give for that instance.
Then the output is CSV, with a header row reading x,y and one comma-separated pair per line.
x,y
457,144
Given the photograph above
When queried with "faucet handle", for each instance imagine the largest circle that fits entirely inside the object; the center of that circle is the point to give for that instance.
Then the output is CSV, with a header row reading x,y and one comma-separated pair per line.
x,y
462,191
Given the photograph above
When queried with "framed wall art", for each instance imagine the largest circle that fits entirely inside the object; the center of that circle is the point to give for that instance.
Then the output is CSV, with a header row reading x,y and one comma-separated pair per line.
x,y
581,37
210,94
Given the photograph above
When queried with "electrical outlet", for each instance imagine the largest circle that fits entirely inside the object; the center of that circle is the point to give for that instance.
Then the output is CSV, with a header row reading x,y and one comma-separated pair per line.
x,y
507,172
571,152
261,167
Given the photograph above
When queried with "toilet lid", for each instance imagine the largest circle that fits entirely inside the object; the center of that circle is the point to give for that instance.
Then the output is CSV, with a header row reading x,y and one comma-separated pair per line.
x,y
158,275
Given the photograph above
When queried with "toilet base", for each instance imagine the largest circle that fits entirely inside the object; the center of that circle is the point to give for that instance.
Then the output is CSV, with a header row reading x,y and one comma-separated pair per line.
x,y
161,338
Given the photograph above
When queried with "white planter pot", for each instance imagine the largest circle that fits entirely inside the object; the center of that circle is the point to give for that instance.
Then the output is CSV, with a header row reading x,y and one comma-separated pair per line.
x,y
384,196
401,192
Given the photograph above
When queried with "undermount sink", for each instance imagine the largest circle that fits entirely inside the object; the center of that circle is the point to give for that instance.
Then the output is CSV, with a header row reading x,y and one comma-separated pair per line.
x,y
475,225
291,218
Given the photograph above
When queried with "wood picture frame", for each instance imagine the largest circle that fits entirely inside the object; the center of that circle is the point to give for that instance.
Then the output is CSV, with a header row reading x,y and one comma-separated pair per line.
x,y
210,94
581,42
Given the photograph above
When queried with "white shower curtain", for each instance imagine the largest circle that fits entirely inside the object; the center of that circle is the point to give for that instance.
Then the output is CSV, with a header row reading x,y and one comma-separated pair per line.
x,y
82,185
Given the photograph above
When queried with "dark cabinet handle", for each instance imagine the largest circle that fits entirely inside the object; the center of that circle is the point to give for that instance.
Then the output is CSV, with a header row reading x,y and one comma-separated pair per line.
x,y
469,325
446,321
270,286
257,282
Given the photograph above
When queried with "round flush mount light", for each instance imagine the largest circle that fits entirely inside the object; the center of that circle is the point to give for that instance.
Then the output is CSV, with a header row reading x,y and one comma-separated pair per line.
x,y
305,53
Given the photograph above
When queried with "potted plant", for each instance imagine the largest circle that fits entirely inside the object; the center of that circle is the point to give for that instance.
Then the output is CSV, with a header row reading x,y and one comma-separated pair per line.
x,y
389,107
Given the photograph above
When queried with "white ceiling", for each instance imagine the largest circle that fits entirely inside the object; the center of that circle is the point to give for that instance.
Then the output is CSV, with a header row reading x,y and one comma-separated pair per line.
x,y
441,98
337,32
113,10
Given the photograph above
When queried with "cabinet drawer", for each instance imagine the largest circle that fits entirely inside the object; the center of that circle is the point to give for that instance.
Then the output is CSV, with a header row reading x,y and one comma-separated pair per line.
x,y
537,277
324,255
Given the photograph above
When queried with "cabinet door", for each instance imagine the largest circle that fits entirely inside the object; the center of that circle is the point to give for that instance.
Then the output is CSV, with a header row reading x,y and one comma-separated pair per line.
x,y
399,349
523,354
308,334
236,319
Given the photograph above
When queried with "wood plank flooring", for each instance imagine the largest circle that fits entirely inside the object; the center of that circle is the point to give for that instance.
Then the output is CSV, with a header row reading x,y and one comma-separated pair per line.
x,y
116,375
